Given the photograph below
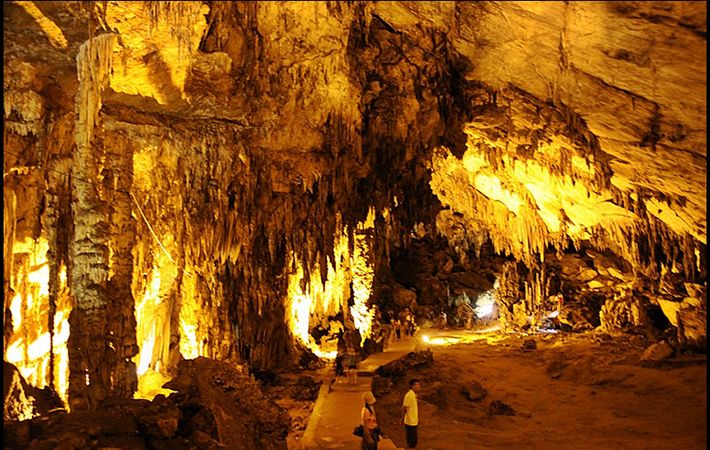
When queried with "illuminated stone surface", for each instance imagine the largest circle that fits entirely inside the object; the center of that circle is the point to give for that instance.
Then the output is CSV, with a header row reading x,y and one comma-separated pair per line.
x,y
216,180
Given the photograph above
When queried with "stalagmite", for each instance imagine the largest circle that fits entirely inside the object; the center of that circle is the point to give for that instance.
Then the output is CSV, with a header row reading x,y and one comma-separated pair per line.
x,y
90,363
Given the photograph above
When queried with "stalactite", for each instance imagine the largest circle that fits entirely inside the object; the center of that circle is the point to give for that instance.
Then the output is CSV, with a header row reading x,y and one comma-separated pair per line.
x,y
9,209
180,16
638,244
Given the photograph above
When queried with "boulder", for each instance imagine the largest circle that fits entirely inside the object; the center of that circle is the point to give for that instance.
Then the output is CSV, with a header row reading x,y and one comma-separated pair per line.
x,y
17,404
692,328
500,408
215,406
23,401
657,352
475,392
403,297
102,428
529,344
586,274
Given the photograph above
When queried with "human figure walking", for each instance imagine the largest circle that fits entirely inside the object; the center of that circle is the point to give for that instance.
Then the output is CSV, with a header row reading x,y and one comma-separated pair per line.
x,y
410,409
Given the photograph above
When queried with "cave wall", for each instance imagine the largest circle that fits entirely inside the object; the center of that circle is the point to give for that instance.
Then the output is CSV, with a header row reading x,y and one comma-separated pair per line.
x,y
182,162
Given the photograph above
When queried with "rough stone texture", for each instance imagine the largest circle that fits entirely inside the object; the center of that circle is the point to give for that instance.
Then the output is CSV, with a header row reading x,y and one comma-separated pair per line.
x,y
500,408
622,313
657,352
22,401
599,58
692,328
475,392
306,388
17,403
216,407
403,297
243,416
396,370
249,135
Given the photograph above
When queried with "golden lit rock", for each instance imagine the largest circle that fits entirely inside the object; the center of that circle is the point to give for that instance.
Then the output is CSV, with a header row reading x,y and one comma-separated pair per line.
x,y
242,181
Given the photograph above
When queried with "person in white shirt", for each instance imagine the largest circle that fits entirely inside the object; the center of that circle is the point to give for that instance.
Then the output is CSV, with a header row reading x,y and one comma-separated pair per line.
x,y
410,408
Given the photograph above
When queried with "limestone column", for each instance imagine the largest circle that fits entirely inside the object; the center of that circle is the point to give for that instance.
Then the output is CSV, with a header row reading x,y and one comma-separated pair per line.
x,y
90,356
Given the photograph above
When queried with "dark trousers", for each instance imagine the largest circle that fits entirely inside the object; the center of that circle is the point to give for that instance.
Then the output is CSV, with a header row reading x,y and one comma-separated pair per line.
x,y
411,431
365,446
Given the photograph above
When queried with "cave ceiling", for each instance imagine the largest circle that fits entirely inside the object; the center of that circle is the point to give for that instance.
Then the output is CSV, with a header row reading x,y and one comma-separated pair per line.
x,y
633,72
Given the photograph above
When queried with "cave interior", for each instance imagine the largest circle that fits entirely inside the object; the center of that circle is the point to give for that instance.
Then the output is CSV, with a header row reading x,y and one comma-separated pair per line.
x,y
227,186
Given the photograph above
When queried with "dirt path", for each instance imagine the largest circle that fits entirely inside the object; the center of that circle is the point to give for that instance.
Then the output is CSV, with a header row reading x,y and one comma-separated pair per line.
x,y
572,392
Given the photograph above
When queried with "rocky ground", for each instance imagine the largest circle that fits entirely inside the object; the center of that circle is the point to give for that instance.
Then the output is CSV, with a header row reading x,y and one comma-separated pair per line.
x,y
215,405
297,393
480,390
572,391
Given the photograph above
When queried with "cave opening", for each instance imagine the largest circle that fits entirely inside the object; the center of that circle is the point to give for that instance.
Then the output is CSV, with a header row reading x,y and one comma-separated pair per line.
x,y
222,220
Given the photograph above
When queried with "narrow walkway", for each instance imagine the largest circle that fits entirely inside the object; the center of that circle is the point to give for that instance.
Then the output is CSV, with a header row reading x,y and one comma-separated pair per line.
x,y
337,409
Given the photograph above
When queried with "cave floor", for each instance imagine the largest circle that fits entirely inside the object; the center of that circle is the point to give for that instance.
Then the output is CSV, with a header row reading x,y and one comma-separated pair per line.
x,y
574,391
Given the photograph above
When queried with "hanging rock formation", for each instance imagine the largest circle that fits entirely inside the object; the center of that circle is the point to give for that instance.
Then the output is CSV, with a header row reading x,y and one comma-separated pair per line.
x,y
170,166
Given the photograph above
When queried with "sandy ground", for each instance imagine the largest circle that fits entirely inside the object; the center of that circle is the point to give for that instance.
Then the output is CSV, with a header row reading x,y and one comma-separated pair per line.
x,y
573,391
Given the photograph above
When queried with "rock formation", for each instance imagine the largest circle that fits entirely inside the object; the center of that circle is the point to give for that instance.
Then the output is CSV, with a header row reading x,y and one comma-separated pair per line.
x,y
214,179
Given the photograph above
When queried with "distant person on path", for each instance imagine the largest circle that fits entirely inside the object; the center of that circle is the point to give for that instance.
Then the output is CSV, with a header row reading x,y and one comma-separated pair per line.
x,y
370,434
411,326
352,358
410,408
339,359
